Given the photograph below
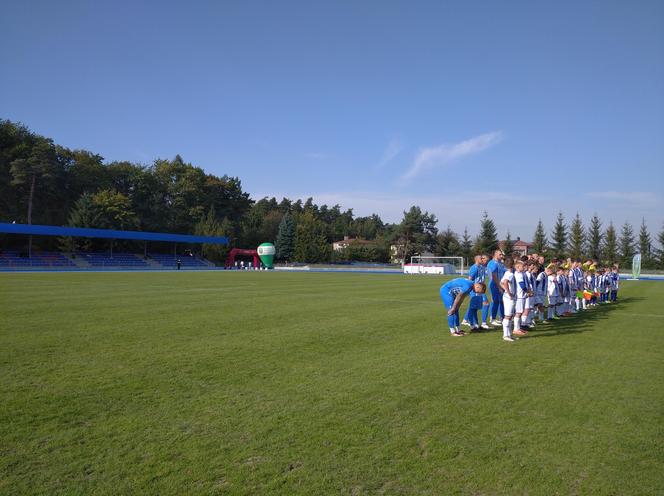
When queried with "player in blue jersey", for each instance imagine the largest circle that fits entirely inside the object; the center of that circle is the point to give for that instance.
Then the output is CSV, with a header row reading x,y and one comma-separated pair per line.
x,y
453,293
496,270
478,273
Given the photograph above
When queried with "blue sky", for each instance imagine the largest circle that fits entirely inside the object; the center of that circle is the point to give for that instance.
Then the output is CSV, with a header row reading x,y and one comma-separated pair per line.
x,y
519,108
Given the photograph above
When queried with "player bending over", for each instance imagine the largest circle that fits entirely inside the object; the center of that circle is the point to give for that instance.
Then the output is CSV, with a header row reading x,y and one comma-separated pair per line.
x,y
453,293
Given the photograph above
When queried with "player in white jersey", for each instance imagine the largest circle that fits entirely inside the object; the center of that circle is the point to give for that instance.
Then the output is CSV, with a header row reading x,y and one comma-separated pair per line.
x,y
599,282
615,283
521,295
606,284
508,286
552,292
576,278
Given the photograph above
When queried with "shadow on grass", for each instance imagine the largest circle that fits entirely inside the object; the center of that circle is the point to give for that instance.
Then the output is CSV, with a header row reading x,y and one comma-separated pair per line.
x,y
583,321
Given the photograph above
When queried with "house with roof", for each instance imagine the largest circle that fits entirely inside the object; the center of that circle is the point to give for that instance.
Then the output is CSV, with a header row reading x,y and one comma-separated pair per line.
x,y
521,247
347,241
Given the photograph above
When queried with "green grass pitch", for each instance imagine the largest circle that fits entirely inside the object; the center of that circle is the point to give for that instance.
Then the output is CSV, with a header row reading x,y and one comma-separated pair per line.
x,y
281,383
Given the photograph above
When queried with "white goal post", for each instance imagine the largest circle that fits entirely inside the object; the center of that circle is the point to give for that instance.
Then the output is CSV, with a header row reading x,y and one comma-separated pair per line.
x,y
434,265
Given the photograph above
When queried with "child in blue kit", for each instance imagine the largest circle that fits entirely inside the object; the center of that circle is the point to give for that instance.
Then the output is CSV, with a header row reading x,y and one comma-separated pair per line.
x,y
476,304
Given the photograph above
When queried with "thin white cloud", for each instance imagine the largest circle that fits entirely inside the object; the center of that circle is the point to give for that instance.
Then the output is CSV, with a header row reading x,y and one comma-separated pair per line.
x,y
633,199
394,147
437,156
316,156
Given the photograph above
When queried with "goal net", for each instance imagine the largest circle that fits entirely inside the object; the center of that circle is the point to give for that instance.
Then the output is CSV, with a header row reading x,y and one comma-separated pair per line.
x,y
434,265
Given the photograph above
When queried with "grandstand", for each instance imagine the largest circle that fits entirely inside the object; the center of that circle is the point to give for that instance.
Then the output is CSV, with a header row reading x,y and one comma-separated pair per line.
x,y
46,260
81,260
112,260
11,260
186,261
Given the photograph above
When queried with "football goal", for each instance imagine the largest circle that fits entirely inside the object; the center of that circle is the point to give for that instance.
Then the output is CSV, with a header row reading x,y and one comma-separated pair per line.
x,y
434,265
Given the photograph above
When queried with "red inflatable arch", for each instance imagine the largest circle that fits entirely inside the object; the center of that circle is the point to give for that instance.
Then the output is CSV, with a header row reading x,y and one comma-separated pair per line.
x,y
230,261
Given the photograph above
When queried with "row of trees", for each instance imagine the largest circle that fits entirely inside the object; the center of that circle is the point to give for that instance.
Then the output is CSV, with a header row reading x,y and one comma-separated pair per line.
x,y
607,244
566,240
42,182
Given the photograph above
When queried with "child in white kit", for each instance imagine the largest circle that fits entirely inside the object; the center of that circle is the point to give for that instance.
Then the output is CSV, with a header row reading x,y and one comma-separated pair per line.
x,y
509,299
615,283
552,292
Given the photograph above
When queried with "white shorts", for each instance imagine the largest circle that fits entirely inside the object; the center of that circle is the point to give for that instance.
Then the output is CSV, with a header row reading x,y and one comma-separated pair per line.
x,y
530,302
520,305
508,304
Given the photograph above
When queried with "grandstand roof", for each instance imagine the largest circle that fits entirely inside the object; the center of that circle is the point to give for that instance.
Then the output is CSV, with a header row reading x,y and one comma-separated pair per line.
x,y
84,232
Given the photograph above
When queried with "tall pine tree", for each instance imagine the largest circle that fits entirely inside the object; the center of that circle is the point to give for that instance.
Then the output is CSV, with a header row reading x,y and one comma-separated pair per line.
x,y
467,246
610,245
645,245
577,238
540,242
559,238
626,244
285,237
594,238
508,245
487,240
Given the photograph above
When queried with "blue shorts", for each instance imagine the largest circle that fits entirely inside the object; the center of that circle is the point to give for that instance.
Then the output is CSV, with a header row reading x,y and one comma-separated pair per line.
x,y
476,301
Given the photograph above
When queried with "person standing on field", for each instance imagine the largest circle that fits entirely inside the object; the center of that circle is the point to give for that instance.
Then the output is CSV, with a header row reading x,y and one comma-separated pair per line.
x,y
496,270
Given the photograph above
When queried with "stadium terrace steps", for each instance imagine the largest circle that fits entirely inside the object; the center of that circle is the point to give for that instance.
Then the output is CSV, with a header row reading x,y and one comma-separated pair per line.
x,y
78,261
112,261
41,260
186,261
153,264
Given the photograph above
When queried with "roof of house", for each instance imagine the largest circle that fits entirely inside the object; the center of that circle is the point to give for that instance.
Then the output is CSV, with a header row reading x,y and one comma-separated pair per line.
x,y
516,243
